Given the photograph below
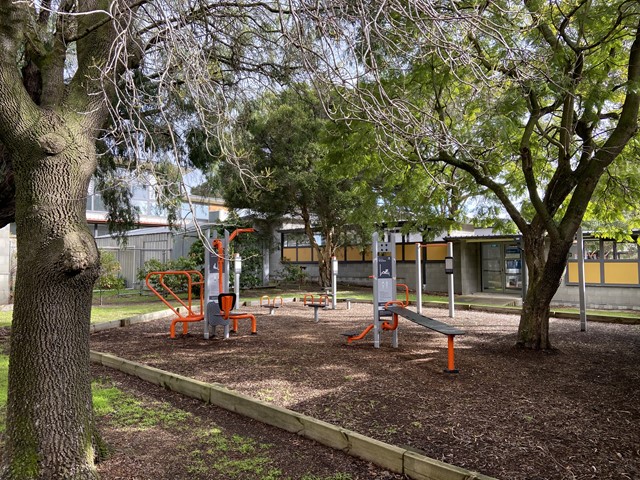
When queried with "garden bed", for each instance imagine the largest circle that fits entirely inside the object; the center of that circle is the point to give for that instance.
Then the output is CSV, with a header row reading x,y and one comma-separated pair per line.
x,y
511,414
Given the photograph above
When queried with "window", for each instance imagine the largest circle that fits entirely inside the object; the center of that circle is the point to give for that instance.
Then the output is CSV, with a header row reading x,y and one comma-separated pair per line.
x,y
292,239
592,249
626,251
608,249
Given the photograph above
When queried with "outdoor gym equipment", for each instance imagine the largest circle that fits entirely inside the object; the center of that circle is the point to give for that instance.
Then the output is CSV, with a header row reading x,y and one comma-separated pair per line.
x,y
322,301
385,303
190,314
216,267
271,303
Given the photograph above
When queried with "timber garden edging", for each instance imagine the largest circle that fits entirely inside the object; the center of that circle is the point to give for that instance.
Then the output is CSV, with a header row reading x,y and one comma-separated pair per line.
x,y
393,458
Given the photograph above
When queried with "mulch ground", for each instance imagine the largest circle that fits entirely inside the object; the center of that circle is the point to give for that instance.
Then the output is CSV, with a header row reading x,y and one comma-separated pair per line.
x,y
509,413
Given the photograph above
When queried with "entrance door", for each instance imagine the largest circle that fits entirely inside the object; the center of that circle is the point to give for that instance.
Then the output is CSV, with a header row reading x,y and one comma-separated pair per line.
x,y
501,267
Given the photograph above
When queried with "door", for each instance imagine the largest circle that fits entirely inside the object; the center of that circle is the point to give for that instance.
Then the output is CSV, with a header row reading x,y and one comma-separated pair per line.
x,y
492,268
501,267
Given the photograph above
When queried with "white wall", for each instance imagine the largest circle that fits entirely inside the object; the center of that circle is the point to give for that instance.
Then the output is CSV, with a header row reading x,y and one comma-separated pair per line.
x,y
5,265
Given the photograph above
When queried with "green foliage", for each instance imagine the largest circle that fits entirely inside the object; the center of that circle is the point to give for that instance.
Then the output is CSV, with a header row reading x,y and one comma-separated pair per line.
x,y
292,273
109,270
177,283
287,139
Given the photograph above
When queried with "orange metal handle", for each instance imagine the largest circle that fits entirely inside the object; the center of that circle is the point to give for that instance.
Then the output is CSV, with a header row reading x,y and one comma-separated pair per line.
x,y
394,325
361,335
406,293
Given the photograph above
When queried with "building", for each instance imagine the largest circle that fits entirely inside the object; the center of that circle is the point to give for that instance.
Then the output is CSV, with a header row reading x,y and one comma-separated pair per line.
x,y
150,216
485,262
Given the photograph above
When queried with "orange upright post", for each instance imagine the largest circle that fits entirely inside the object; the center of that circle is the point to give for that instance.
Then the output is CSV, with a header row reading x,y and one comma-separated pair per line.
x,y
450,360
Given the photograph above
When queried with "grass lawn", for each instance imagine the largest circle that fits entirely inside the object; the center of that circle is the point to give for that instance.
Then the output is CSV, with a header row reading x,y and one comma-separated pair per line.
x,y
105,313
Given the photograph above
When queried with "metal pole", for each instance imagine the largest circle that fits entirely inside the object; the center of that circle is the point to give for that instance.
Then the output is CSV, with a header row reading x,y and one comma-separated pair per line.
x,y
265,267
237,269
334,282
207,278
225,253
376,316
581,281
418,280
450,282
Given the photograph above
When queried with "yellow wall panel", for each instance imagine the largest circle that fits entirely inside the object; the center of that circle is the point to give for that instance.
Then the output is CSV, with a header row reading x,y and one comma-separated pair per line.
x,y
410,252
340,255
436,251
572,272
304,254
621,273
354,254
368,256
591,272
398,252
289,254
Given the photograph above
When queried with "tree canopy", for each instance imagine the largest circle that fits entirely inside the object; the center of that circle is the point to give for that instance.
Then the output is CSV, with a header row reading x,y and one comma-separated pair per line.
x,y
286,172
536,101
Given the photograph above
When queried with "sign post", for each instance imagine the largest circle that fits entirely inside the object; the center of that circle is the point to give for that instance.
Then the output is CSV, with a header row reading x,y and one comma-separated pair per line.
x,y
448,269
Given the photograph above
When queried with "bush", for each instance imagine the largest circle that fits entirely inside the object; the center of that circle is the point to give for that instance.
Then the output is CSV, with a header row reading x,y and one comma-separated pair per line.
x,y
292,273
109,270
177,283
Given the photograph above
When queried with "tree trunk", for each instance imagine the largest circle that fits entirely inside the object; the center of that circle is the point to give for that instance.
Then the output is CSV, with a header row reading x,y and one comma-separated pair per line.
x,y
324,265
49,410
545,273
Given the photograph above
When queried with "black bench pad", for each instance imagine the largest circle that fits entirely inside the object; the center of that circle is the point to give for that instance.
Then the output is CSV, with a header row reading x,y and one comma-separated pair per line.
x,y
427,322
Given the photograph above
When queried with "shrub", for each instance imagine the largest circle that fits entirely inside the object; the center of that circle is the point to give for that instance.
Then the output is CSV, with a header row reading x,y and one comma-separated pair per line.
x,y
292,273
109,270
177,283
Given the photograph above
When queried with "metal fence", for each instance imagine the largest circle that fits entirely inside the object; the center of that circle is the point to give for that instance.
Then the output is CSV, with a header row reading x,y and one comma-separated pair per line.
x,y
136,252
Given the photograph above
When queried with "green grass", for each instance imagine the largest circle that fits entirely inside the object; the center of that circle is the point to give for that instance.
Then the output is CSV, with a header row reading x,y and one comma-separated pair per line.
x,y
125,411
105,313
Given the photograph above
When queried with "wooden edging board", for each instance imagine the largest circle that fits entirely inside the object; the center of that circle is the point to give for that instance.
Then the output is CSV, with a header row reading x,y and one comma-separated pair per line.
x,y
390,457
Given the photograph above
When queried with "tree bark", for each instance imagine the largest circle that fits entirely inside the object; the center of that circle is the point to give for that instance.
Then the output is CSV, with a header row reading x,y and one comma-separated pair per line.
x,y
545,270
49,409
324,264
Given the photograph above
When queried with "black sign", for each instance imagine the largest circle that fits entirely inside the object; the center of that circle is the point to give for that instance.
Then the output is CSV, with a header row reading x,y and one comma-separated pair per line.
x,y
385,265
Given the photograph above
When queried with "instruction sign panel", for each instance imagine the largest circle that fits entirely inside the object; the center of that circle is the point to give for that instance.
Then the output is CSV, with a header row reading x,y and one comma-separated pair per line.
x,y
385,266
213,278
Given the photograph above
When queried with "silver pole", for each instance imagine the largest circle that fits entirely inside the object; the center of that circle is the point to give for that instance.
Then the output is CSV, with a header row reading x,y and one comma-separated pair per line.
x,y
334,282
581,281
450,283
237,269
265,267
207,287
418,280
225,253
376,316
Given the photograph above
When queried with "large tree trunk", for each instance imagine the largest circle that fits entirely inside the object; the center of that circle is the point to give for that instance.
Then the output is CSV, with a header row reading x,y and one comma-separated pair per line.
x,y
545,272
49,410
324,264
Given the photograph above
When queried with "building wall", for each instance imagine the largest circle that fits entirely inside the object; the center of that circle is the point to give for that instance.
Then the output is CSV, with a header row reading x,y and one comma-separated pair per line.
x,y
600,297
6,250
